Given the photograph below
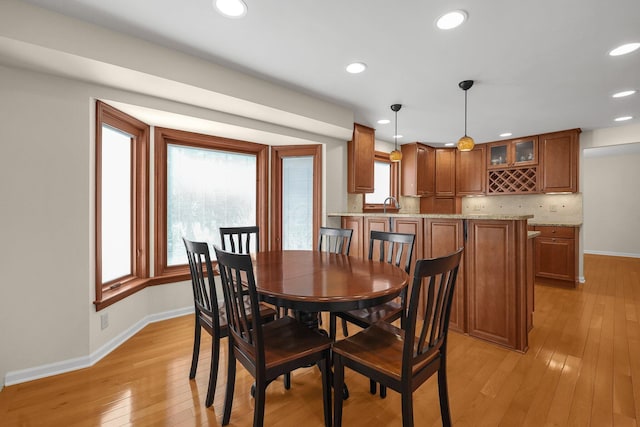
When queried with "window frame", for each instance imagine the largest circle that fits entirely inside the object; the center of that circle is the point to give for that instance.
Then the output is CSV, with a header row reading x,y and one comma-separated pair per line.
x,y
114,290
162,138
380,156
278,153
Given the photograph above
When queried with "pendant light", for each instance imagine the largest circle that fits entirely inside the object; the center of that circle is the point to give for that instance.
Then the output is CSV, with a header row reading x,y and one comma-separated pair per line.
x,y
395,155
466,142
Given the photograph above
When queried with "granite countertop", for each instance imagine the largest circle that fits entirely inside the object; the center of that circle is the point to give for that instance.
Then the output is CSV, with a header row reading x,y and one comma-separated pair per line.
x,y
447,216
554,223
532,234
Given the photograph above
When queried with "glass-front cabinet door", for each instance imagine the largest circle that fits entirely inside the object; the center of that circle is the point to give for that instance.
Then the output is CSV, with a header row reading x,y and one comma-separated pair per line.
x,y
513,153
525,151
498,155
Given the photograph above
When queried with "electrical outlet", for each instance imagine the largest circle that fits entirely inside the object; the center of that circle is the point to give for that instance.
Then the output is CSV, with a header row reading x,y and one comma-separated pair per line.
x,y
104,321
476,208
553,208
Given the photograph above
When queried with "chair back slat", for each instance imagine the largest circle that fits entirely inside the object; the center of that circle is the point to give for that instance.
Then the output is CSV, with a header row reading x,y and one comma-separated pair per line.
x,y
396,246
335,240
240,239
429,334
236,274
204,291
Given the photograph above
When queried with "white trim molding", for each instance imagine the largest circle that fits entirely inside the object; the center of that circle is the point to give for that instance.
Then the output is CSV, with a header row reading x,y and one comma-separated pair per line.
x,y
608,253
24,375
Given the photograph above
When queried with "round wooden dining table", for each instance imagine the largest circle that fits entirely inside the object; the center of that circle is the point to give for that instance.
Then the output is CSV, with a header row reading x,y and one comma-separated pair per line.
x,y
313,281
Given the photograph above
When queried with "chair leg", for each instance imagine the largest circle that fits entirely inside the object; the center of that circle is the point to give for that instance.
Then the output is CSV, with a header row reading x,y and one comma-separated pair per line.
x,y
338,382
372,386
213,371
287,380
383,391
345,330
325,365
443,394
407,407
231,382
261,394
332,326
196,350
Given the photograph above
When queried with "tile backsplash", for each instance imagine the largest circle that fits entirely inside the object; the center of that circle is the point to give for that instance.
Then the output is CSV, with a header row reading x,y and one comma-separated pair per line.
x,y
544,207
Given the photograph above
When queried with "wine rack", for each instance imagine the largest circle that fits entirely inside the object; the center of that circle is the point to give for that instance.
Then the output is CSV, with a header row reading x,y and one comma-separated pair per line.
x,y
522,180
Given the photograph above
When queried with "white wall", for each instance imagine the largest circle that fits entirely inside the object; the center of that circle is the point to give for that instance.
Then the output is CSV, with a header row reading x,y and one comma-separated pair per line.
x,y
611,202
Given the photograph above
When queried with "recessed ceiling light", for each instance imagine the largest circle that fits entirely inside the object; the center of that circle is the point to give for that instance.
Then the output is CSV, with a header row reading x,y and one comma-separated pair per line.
x,y
504,135
451,19
624,49
356,67
397,136
231,8
623,118
384,121
449,144
623,93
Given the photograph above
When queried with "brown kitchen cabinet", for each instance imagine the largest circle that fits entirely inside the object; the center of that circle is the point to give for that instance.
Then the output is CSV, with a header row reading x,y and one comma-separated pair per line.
x,y
440,205
512,153
491,300
355,223
371,223
471,171
555,255
360,160
496,281
442,237
417,170
559,161
445,172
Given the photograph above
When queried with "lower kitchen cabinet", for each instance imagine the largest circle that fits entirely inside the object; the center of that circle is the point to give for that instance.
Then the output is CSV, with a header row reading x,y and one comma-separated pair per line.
x,y
555,254
496,281
355,223
442,237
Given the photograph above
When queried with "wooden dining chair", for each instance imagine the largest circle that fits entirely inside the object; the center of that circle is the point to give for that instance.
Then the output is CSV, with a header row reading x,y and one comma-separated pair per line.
x,y
393,248
240,240
210,314
403,359
335,240
244,240
266,350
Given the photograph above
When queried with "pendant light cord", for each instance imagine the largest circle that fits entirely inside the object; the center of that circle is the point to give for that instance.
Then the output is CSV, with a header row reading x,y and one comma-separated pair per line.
x,y
395,135
465,113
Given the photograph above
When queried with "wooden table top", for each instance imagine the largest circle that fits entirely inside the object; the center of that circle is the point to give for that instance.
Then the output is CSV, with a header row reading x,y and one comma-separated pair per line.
x,y
320,281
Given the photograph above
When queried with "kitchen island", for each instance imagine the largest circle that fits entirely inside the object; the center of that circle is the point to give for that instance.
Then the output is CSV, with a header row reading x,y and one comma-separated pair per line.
x,y
493,300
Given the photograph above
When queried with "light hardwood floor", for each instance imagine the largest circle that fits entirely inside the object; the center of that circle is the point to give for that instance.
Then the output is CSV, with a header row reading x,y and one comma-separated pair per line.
x,y
582,369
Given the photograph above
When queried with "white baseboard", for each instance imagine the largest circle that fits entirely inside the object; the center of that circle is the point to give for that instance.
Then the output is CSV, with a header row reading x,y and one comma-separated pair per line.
x,y
608,253
23,375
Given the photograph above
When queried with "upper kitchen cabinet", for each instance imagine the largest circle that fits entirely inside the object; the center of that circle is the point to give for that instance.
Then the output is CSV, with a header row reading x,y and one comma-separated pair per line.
x,y
445,172
559,160
417,170
360,157
471,171
513,153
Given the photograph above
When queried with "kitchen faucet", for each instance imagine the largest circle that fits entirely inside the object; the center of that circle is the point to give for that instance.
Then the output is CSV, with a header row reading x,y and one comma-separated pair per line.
x,y
384,209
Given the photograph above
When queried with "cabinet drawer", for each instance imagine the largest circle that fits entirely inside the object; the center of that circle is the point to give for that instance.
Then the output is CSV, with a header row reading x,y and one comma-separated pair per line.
x,y
556,231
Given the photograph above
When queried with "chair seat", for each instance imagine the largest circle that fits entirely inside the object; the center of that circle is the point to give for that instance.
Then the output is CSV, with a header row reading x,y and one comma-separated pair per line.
x,y
266,312
364,317
286,339
379,347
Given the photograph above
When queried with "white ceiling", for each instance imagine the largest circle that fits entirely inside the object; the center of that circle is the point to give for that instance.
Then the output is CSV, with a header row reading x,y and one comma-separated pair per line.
x,y
539,66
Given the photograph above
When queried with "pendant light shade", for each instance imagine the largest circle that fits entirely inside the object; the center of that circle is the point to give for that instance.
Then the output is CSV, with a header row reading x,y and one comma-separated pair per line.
x,y
395,155
465,143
